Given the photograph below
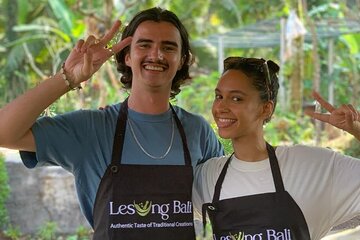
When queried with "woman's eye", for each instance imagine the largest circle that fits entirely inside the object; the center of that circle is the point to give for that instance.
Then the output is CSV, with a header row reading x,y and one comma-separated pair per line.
x,y
236,99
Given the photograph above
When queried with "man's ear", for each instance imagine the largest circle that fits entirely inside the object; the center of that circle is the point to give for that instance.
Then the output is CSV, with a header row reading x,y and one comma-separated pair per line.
x,y
182,61
128,59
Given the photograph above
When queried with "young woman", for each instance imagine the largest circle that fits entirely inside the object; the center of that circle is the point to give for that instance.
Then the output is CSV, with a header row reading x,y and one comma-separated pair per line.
x,y
265,192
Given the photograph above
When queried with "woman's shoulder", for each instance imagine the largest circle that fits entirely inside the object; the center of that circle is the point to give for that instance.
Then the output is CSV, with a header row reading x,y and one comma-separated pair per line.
x,y
301,149
214,164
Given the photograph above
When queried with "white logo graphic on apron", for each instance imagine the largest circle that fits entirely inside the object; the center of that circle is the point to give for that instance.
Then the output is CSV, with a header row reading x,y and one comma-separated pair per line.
x,y
147,207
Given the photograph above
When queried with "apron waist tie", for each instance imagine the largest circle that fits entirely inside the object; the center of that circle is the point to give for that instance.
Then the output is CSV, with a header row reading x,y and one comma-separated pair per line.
x,y
204,211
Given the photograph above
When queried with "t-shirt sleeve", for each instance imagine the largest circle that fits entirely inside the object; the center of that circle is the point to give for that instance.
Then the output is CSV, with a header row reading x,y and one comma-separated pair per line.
x,y
205,177
198,193
345,195
63,140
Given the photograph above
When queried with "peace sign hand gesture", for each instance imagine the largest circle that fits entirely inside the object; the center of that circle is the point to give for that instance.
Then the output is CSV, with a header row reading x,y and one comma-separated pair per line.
x,y
345,117
88,56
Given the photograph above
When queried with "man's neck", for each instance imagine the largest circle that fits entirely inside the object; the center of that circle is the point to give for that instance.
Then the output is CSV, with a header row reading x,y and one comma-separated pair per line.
x,y
149,103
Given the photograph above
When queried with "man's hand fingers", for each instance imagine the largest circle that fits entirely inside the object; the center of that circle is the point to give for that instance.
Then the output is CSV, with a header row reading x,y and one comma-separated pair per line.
x,y
121,45
88,64
89,41
110,34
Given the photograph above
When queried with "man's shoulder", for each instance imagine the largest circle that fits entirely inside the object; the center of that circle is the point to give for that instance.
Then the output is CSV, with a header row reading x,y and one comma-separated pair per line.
x,y
184,114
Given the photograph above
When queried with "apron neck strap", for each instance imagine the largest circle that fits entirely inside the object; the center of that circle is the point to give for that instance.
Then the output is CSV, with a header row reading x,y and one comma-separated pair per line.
x,y
275,169
183,137
220,180
119,133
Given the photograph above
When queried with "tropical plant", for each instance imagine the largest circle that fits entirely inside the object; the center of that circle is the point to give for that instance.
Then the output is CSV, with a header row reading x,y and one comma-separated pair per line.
x,y
47,231
14,233
4,193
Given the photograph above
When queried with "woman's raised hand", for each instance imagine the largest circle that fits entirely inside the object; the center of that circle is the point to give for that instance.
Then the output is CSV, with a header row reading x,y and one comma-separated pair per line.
x,y
345,117
88,56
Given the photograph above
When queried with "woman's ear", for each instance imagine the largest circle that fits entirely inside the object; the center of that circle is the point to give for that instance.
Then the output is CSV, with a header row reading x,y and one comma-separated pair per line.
x,y
268,110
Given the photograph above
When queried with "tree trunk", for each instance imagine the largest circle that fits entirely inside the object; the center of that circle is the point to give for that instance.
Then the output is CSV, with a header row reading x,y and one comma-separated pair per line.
x,y
296,83
316,66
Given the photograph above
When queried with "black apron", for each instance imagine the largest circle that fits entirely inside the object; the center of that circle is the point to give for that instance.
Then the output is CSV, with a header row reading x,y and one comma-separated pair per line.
x,y
267,216
144,201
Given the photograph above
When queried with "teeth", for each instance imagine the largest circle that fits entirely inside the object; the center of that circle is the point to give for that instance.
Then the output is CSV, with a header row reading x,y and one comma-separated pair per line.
x,y
153,68
226,120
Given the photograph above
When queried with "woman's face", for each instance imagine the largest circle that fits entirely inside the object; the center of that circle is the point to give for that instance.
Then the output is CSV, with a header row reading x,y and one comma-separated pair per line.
x,y
237,108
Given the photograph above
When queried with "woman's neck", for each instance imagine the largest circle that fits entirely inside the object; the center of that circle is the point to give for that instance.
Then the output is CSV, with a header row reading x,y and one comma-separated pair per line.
x,y
250,149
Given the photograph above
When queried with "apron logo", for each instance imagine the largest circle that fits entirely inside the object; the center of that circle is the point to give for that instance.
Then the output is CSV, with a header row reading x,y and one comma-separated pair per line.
x,y
146,208
143,208
238,236
267,234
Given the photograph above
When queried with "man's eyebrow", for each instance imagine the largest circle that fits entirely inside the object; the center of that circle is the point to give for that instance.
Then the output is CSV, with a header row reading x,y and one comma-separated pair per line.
x,y
166,42
143,40
170,43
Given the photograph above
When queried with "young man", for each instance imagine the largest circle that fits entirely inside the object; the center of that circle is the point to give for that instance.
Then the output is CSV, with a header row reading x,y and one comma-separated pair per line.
x,y
133,161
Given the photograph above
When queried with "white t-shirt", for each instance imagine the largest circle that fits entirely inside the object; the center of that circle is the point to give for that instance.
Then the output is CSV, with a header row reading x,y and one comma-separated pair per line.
x,y
325,184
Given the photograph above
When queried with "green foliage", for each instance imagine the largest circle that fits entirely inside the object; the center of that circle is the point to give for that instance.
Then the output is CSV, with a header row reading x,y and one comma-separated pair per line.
x,y
4,192
47,231
208,232
289,128
228,148
199,95
353,149
82,233
14,233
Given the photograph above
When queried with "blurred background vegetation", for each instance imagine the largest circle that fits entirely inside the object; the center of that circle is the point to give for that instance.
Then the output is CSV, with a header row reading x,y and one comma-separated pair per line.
x,y
37,35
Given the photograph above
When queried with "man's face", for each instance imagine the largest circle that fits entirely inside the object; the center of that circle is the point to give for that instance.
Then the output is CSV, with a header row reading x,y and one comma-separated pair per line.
x,y
155,55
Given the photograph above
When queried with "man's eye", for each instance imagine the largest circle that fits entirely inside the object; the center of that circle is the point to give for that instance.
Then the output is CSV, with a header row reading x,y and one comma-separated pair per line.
x,y
169,48
236,99
218,96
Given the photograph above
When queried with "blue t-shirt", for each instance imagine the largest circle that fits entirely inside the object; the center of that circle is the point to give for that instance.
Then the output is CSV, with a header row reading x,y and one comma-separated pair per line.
x,y
81,142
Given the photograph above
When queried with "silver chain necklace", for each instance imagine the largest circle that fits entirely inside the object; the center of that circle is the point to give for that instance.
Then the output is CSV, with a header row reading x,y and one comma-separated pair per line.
x,y
143,149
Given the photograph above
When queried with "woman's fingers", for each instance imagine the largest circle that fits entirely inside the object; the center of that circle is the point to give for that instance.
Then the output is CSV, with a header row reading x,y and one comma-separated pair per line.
x,y
322,102
354,112
323,117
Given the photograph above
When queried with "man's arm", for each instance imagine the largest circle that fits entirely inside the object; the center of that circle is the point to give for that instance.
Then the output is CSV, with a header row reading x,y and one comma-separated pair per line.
x,y
17,117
